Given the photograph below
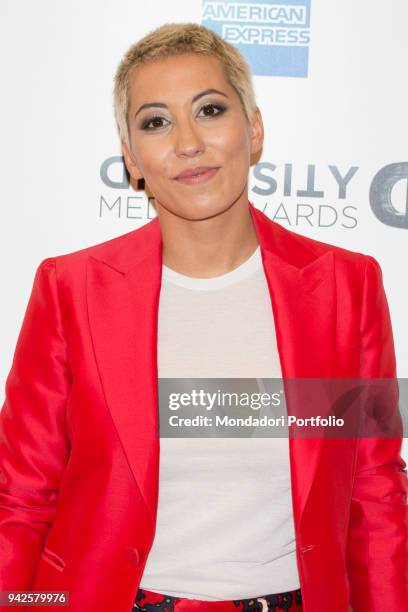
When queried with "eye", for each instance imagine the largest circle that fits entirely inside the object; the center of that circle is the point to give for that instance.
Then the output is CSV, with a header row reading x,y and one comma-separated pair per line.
x,y
156,120
209,107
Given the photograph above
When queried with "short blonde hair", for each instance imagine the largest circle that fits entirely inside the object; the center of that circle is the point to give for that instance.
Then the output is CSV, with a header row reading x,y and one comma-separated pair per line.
x,y
176,39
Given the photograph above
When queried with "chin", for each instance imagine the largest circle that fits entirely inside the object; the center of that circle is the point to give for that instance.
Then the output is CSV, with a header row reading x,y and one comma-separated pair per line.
x,y
197,211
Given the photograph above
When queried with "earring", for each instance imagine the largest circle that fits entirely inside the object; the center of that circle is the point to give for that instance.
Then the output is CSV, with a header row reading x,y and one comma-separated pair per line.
x,y
140,184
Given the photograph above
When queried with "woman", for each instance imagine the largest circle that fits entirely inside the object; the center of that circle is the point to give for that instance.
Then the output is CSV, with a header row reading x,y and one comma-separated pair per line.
x,y
210,288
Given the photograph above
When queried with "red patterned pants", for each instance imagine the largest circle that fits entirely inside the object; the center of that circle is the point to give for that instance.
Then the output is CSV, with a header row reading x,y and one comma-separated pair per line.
x,y
148,601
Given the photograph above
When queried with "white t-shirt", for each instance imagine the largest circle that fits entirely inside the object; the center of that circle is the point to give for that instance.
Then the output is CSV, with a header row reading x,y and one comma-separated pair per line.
x,y
225,521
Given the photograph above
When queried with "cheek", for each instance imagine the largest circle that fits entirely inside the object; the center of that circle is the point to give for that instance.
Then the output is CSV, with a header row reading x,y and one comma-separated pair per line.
x,y
233,145
154,160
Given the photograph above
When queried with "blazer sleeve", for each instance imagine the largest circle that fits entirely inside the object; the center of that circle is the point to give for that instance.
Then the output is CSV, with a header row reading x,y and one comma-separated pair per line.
x,y
34,446
377,546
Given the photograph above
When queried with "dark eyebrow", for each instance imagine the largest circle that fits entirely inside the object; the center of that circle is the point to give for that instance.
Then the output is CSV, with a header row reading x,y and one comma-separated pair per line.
x,y
161,105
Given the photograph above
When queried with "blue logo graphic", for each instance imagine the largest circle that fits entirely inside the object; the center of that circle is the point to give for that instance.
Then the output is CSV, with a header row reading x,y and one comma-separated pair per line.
x,y
274,37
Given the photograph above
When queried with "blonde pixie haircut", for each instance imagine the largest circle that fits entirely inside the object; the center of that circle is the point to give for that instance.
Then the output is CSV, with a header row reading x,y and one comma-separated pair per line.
x,y
173,39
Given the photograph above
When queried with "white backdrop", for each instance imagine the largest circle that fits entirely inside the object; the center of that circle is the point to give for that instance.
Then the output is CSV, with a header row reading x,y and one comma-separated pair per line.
x,y
62,186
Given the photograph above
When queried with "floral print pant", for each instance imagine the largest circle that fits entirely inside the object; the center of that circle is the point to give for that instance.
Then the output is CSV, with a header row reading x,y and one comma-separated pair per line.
x,y
148,601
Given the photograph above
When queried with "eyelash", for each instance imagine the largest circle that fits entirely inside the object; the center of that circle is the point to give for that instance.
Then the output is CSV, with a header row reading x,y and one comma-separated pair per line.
x,y
144,126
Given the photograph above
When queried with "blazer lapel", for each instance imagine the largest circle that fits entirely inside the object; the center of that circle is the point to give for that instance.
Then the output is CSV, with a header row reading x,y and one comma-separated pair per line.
x,y
302,289
305,343
123,299
123,291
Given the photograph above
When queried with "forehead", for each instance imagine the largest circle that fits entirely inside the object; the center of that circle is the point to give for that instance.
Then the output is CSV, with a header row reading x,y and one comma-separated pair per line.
x,y
177,77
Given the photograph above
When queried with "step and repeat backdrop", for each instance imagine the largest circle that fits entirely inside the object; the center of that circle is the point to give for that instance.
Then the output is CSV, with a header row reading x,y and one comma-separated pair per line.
x,y
330,79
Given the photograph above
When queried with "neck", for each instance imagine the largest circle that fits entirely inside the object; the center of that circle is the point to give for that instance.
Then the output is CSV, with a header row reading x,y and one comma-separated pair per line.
x,y
208,247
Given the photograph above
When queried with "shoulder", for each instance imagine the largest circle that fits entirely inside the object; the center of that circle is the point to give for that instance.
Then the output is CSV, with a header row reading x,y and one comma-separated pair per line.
x,y
115,251
302,251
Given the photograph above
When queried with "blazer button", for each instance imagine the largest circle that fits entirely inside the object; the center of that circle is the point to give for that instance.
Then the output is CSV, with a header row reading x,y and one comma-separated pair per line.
x,y
133,556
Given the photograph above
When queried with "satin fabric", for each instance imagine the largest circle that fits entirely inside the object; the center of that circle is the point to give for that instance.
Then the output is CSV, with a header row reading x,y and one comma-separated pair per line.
x,y
79,445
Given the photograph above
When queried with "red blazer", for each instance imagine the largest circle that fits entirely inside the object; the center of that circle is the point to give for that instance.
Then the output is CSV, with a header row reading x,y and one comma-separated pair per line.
x,y
79,454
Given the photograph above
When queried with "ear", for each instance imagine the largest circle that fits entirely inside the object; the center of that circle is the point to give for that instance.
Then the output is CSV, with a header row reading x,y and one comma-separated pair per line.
x,y
256,132
130,162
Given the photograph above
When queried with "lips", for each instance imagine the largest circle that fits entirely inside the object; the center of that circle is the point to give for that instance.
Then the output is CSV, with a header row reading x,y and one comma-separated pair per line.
x,y
194,171
200,174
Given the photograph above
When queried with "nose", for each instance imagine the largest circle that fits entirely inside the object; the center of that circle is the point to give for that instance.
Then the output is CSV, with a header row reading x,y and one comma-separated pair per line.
x,y
188,139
